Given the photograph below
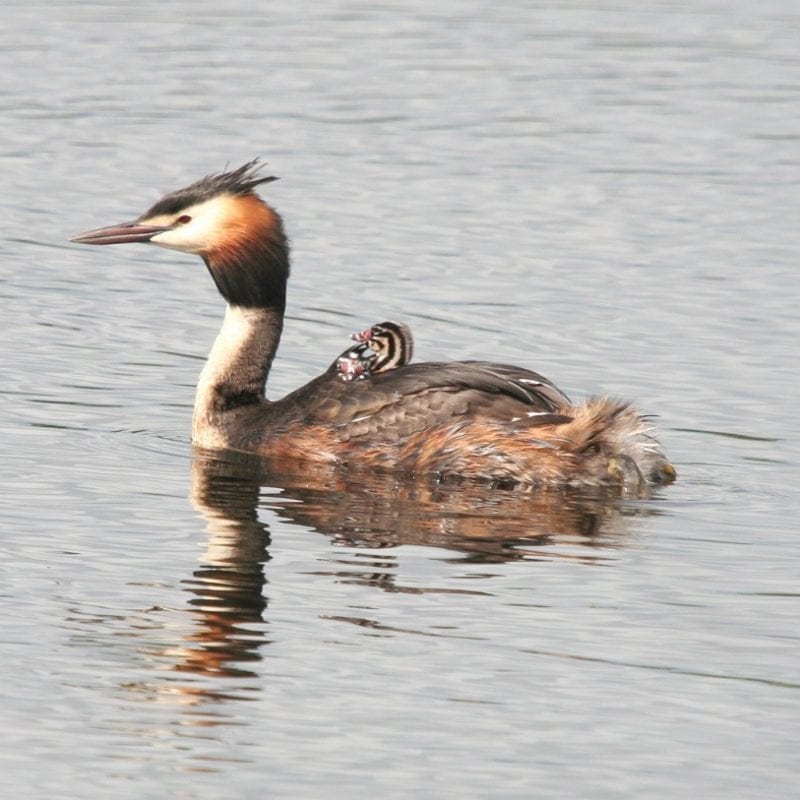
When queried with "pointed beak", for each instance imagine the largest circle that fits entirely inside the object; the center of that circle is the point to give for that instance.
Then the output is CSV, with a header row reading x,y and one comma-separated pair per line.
x,y
362,336
119,234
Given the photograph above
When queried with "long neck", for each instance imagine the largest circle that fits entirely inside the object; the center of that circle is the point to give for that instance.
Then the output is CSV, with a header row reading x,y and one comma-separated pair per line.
x,y
250,268
236,371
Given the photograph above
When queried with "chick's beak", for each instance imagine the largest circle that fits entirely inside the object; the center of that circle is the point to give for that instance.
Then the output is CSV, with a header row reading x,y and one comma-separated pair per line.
x,y
119,234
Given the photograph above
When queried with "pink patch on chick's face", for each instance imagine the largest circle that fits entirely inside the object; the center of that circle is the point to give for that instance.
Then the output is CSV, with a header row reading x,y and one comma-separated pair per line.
x,y
351,368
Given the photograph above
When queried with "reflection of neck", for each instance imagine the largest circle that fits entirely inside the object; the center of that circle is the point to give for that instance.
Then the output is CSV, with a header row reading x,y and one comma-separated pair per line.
x,y
228,587
236,371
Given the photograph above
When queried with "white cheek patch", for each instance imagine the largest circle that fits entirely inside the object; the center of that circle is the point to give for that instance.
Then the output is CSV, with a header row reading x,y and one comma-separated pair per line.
x,y
205,228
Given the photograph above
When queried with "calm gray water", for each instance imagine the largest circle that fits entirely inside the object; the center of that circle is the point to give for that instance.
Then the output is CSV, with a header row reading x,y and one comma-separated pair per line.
x,y
606,192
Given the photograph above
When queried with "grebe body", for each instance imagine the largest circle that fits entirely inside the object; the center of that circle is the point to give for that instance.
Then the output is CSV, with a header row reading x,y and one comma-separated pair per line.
x,y
468,418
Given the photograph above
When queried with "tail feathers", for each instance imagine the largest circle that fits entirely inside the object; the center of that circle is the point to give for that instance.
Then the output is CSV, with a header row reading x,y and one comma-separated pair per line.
x,y
612,441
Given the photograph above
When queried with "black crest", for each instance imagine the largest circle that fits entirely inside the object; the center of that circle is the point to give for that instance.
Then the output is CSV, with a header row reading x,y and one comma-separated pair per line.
x,y
239,182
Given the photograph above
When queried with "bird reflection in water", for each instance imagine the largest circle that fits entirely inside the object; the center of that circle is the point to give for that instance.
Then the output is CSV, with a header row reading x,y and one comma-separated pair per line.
x,y
361,512
364,511
228,601
365,516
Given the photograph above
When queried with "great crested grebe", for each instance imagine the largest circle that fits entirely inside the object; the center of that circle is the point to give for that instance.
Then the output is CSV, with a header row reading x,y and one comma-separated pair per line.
x,y
465,418
381,347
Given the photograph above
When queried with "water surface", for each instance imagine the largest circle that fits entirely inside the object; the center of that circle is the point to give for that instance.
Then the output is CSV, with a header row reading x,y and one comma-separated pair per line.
x,y
608,195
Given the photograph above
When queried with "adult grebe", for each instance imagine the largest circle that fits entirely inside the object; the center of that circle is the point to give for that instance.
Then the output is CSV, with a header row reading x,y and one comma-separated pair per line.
x,y
381,347
467,418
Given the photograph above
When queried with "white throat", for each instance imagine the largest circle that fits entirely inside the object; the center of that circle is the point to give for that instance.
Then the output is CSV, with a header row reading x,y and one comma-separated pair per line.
x,y
237,366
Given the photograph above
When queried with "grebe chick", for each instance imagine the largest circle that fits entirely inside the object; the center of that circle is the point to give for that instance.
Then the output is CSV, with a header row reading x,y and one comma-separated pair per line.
x,y
383,346
354,364
391,342
468,418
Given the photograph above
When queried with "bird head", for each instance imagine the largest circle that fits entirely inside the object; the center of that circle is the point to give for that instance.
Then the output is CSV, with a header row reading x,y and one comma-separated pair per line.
x,y
223,220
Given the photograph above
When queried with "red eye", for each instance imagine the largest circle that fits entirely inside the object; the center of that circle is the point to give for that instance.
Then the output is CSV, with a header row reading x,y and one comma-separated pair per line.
x,y
183,219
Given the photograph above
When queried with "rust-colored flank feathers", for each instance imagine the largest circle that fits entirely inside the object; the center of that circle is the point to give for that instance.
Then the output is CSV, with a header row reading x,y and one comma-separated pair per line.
x,y
372,408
